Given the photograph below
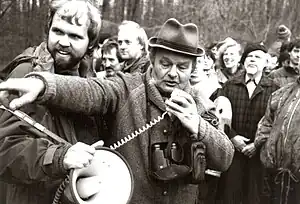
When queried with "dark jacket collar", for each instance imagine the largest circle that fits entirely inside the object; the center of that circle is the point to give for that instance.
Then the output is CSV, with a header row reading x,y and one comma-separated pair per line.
x,y
292,70
240,79
138,65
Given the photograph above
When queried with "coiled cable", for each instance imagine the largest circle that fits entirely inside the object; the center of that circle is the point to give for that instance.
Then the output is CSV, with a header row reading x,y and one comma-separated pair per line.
x,y
60,190
137,132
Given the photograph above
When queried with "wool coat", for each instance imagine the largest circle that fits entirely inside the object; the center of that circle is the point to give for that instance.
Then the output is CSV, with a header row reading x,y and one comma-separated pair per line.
x,y
241,181
132,101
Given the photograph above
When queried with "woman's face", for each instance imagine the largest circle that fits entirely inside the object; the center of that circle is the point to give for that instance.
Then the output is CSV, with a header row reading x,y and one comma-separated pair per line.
x,y
231,57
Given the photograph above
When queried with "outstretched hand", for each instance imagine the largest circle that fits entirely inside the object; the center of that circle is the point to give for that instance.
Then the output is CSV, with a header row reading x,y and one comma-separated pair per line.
x,y
27,88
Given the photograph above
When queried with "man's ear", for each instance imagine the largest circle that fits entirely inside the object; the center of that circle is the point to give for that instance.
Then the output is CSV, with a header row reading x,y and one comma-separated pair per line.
x,y
152,56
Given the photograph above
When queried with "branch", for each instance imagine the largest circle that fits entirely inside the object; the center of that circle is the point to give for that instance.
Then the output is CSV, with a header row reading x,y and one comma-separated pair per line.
x,y
6,9
267,29
221,15
253,29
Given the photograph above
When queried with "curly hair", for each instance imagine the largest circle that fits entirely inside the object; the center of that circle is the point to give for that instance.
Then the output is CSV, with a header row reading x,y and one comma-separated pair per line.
x,y
77,8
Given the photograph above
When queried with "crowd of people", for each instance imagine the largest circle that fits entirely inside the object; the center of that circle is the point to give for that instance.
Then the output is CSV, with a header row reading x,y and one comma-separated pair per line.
x,y
86,91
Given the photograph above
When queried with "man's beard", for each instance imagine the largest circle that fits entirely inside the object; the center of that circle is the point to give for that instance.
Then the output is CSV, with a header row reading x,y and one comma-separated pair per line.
x,y
64,64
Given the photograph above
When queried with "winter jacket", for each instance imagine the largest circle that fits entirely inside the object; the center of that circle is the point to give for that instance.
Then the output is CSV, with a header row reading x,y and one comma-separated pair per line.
x,y
31,164
132,101
284,75
278,130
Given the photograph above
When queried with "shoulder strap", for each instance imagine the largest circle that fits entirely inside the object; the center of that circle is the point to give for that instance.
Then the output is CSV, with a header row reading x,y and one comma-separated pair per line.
x,y
27,119
26,56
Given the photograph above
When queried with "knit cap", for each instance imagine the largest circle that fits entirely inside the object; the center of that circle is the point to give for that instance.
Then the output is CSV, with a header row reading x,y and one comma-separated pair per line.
x,y
250,47
283,33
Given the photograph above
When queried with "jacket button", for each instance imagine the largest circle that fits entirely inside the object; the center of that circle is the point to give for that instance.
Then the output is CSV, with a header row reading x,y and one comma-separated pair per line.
x,y
165,131
165,193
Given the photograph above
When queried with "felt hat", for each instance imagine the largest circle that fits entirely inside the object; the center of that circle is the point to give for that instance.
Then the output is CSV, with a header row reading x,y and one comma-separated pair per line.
x,y
177,37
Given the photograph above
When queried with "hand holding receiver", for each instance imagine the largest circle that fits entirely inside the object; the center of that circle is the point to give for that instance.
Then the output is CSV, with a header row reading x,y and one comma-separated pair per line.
x,y
27,88
182,105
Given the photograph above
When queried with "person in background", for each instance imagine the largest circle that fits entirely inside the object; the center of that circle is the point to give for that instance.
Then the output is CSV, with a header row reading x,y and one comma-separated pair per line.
x,y
133,47
272,63
33,165
227,64
132,100
283,34
289,72
277,137
110,60
283,38
204,76
212,48
248,93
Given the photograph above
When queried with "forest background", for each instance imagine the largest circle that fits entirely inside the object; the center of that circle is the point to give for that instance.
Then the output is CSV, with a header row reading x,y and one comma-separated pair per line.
x,y
22,22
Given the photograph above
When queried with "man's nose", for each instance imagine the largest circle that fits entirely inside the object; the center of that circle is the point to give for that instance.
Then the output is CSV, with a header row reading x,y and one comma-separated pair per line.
x,y
107,63
252,59
64,41
173,71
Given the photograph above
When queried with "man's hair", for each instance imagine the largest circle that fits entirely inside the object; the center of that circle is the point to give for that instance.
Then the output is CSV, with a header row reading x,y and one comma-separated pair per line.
x,y
210,54
141,33
108,46
293,44
92,12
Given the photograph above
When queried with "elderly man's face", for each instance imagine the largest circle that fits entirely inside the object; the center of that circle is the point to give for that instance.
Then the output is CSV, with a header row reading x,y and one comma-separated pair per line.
x,y
67,43
255,62
111,62
129,46
171,70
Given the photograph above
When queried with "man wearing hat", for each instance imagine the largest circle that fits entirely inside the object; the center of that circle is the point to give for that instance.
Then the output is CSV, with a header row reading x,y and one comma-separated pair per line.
x,y
248,93
131,101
